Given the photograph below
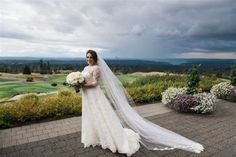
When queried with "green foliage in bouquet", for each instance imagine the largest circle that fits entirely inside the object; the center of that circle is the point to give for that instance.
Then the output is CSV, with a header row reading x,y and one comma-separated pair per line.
x,y
193,80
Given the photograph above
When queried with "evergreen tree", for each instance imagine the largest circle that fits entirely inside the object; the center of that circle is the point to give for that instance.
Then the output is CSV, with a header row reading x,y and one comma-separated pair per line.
x,y
233,75
41,67
193,79
27,70
69,67
45,68
49,69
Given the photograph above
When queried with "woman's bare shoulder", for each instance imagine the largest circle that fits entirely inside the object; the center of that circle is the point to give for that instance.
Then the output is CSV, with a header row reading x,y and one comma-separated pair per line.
x,y
85,67
96,68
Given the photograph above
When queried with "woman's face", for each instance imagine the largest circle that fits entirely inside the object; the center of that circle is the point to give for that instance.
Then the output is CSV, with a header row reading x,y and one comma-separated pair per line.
x,y
89,59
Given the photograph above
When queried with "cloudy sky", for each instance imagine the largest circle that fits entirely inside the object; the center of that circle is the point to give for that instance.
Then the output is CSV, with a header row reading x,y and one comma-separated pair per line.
x,y
118,28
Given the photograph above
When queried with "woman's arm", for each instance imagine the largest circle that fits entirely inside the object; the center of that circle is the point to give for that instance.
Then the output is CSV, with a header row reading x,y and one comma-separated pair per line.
x,y
88,85
96,76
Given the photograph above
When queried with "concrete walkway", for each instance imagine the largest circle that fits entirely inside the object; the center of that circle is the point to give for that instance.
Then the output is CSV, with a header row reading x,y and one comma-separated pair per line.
x,y
61,138
41,131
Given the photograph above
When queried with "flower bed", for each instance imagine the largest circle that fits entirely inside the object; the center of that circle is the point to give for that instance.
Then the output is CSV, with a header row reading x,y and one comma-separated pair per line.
x,y
184,103
224,90
177,99
206,103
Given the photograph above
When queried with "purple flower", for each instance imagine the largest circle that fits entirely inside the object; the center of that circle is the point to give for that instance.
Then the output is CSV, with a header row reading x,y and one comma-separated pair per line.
x,y
183,103
233,92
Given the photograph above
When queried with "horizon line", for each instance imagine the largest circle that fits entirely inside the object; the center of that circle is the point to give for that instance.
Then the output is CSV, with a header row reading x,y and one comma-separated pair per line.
x,y
124,58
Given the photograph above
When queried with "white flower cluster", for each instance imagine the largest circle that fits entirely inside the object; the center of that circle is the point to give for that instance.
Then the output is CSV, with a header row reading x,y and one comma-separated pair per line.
x,y
170,94
222,89
207,103
75,78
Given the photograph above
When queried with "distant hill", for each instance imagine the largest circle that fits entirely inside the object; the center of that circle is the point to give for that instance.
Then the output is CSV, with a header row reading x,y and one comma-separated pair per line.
x,y
219,67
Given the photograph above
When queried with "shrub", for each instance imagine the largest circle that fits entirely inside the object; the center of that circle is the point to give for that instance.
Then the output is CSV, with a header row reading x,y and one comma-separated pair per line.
x,y
33,98
144,94
173,80
153,79
147,93
54,84
171,93
31,108
222,90
25,109
206,103
29,79
64,92
5,117
193,80
206,82
233,75
57,106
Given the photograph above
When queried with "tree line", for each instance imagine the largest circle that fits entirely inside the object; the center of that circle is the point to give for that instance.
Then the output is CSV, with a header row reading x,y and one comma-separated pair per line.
x,y
118,66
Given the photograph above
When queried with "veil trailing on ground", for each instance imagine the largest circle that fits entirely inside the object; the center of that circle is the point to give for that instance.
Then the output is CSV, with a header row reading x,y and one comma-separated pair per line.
x,y
153,137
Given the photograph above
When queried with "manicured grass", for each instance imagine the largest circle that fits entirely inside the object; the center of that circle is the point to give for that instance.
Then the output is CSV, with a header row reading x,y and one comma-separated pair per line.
x,y
127,77
11,85
12,89
5,79
58,78
42,83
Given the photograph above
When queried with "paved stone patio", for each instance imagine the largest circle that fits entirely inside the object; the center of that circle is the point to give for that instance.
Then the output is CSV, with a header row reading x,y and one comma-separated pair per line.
x,y
41,131
61,138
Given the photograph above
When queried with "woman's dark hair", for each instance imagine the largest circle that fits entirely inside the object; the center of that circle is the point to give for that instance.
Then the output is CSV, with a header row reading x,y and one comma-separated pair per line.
x,y
94,55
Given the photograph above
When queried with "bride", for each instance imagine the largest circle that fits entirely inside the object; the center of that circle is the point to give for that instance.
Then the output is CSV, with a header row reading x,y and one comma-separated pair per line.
x,y
109,120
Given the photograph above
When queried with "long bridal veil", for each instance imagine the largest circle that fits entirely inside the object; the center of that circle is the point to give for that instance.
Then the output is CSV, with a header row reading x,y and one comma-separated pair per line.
x,y
153,137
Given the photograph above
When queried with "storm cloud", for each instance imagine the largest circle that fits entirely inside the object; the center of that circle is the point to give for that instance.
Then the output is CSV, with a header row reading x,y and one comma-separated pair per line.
x,y
126,29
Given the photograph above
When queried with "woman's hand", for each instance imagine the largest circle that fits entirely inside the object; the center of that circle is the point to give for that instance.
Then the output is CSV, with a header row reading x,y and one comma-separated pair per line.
x,y
88,85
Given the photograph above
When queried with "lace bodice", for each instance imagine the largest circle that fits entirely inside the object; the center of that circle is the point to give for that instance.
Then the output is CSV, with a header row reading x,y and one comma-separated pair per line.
x,y
91,74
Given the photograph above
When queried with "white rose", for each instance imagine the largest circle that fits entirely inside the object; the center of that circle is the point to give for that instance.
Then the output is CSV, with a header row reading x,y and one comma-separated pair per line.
x,y
74,78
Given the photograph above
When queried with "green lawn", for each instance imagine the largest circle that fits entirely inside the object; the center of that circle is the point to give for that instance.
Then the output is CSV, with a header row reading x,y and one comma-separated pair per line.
x,y
6,79
12,89
127,77
59,78
15,85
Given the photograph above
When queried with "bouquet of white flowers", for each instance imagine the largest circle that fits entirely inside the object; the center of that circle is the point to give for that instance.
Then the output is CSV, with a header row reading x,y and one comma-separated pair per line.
x,y
75,79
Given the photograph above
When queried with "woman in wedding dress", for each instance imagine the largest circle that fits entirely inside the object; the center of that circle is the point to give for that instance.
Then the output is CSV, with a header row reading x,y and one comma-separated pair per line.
x,y
109,120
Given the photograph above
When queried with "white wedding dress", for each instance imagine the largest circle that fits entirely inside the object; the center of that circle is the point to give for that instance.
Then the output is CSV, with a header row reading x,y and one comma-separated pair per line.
x,y
100,123
110,121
